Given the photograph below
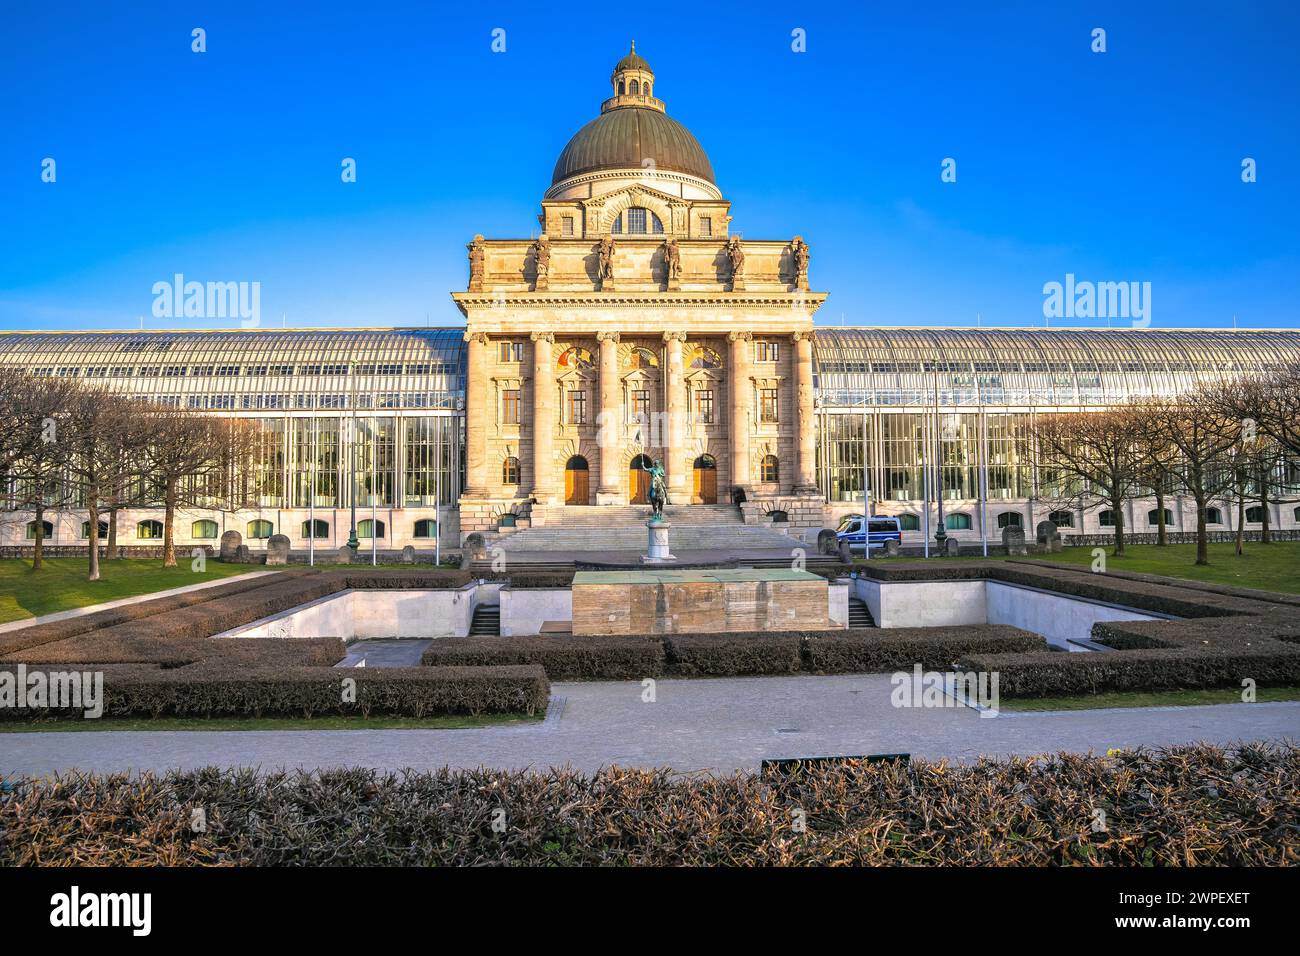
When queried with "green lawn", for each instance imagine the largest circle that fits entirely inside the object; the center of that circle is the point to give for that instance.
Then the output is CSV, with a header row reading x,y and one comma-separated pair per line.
x,y
1269,567
1171,698
61,583
266,723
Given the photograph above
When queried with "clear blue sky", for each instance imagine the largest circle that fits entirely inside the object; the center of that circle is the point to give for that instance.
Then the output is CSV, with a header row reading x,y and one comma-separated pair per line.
x,y
225,166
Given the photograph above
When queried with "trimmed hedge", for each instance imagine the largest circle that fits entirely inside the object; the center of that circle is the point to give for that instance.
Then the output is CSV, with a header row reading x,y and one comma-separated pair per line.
x,y
1052,675
38,634
632,657
564,656
720,655
232,689
1182,806
874,650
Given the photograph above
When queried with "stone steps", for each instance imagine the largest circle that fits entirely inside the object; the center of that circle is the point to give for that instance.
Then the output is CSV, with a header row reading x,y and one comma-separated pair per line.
x,y
680,537
595,516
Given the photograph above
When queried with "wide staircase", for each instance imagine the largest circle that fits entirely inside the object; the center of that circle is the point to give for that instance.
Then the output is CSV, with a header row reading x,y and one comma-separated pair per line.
x,y
611,528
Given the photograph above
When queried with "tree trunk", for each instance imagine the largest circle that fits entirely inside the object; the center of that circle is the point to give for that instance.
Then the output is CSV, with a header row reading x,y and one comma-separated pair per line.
x,y
1202,542
38,549
1117,509
1241,521
169,548
110,549
92,508
1162,532
1265,535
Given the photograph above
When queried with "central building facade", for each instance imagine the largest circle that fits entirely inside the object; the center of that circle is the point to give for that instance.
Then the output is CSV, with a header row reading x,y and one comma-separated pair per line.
x,y
637,327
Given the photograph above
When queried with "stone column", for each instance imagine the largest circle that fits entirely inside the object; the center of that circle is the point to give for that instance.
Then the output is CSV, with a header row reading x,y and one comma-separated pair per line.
x,y
740,400
675,407
609,423
543,417
477,398
806,417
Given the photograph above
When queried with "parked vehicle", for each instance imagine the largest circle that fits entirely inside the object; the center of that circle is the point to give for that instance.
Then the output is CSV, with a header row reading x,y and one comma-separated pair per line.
x,y
870,533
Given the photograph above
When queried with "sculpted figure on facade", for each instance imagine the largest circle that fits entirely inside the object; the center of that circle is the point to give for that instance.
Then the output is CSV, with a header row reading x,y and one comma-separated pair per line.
x,y
476,258
605,257
542,261
672,262
799,252
736,256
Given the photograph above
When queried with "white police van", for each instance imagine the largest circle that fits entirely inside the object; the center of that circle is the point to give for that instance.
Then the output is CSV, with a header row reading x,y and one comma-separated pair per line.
x,y
873,532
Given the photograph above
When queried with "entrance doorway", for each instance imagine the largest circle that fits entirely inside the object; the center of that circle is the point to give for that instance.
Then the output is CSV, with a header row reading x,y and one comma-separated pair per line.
x,y
638,480
706,480
577,486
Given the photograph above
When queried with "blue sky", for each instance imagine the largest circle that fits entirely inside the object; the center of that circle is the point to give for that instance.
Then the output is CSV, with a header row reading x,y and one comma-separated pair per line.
x,y
1122,166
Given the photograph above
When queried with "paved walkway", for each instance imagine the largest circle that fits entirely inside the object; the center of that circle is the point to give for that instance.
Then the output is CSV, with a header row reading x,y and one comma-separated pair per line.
x,y
149,596
385,652
715,725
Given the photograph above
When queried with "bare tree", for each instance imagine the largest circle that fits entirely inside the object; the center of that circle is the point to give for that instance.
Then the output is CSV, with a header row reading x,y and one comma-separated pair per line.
x,y
100,427
41,422
185,458
1097,454
1203,436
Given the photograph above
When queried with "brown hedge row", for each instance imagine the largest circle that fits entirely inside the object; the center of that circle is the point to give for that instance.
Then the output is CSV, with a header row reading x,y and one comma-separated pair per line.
x,y
38,634
632,657
564,657
1183,806
873,650
720,655
232,689
1051,675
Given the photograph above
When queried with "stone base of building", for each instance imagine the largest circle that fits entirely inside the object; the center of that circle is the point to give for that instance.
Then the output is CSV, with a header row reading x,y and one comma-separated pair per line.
x,y
798,511
487,514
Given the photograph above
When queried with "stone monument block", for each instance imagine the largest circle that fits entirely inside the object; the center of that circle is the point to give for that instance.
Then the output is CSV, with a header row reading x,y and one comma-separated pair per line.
x,y
408,554
1013,539
951,547
230,542
277,549
891,548
1049,539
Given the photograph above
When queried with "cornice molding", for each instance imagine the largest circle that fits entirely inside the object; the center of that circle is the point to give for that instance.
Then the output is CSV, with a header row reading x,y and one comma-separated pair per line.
x,y
604,300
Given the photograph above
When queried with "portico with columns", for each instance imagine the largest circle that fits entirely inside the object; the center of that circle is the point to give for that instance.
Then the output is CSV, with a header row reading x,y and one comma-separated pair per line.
x,y
637,328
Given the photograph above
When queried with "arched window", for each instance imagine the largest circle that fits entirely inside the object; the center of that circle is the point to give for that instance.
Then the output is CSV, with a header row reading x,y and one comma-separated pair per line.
x,y
1010,519
322,529
1255,515
704,357
909,522
1296,514
510,471
635,88
622,88
1062,519
47,530
779,517
957,522
1153,516
205,528
103,529
771,468
1106,519
426,528
149,529
261,528
367,529
1213,516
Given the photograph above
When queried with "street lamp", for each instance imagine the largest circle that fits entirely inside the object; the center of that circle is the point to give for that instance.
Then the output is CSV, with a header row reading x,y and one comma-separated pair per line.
x,y
353,543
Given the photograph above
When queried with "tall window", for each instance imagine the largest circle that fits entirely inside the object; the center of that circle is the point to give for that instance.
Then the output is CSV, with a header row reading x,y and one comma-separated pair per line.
x,y
767,405
510,471
638,222
640,403
510,406
771,468
704,406
577,408
511,351
566,226
706,227
766,351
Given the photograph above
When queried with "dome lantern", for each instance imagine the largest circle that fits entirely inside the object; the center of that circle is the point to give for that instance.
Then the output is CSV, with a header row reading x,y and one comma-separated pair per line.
x,y
633,83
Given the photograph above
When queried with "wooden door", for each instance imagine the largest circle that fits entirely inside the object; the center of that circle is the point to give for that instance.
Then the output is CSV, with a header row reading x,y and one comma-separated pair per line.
x,y
576,485
706,481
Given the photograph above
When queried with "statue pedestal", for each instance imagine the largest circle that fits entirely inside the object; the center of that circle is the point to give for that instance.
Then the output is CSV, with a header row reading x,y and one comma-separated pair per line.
x,y
657,543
